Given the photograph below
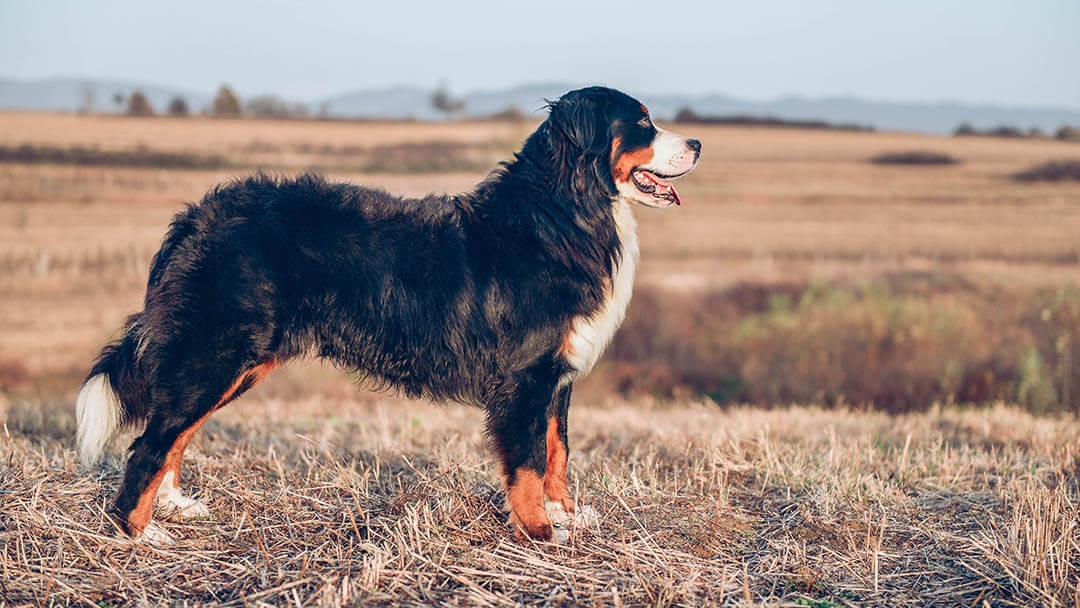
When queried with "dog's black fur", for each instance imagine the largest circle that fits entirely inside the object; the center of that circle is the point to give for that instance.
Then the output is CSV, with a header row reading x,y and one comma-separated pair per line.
x,y
464,297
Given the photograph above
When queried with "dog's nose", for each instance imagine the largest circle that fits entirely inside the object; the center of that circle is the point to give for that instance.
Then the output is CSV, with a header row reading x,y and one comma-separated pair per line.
x,y
694,145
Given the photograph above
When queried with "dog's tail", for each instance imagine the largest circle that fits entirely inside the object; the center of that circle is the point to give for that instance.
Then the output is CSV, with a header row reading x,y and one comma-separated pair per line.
x,y
113,395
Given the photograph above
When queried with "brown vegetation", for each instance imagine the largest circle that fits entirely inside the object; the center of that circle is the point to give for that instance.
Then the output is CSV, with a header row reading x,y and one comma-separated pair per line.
x,y
139,105
1064,133
914,157
1052,171
226,104
900,344
686,115
178,106
405,157
29,154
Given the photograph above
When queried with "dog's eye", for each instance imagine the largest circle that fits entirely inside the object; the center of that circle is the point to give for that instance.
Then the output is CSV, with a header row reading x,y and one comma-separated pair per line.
x,y
644,122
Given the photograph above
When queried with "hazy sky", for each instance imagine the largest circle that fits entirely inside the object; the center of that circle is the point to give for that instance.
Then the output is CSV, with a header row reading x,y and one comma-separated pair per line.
x,y
1014,52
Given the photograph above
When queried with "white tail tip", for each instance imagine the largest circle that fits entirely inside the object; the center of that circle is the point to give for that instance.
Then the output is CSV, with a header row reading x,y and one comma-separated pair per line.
x,y
97,412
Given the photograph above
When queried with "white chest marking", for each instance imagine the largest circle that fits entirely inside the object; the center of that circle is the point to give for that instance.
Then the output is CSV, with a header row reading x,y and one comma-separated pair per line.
x,y
590,335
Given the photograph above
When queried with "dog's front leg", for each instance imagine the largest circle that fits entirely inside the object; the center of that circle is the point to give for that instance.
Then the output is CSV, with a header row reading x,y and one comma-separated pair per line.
x,y
518,424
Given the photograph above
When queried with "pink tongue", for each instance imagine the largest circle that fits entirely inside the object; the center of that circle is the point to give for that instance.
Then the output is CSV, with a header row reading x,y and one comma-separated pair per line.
x,y
663,189
669,191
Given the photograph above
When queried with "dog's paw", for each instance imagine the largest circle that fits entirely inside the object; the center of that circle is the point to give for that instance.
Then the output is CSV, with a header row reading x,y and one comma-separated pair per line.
x,y
565,523
194,510
153,535
173,503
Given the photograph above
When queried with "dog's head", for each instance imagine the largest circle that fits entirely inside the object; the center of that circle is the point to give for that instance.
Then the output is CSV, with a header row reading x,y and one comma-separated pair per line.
x,y
606,145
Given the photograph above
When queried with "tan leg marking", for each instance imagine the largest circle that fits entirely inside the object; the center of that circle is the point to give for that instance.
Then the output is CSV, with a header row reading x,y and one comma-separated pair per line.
x,y
555,475
526,498
140,516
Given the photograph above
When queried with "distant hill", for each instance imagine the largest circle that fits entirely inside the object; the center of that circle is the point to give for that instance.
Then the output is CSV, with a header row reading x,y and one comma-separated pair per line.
x,y
405,101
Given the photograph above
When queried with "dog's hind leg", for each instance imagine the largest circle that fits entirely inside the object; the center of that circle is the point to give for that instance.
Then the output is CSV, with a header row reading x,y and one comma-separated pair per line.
x,y
169,498
156,455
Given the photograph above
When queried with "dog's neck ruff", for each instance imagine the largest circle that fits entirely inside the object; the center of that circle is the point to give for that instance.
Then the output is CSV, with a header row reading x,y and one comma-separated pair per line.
x,y
591,334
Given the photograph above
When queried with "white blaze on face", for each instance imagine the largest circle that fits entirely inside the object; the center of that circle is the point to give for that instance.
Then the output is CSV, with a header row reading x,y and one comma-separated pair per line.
x,y
669,156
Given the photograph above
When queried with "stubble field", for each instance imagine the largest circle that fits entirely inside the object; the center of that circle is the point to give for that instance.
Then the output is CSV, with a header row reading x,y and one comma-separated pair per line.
x,y
323,495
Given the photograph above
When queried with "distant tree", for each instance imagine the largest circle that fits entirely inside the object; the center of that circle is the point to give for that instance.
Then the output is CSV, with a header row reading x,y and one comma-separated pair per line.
x,y
272,106
118,100
1005,131
1036,133
442,102
178,107
685,114
89,98
226,103
1067,133
139,105
511,112
965,129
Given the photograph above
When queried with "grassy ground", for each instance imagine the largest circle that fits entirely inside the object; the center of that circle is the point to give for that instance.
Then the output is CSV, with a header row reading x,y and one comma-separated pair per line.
x,y
326,501
321,495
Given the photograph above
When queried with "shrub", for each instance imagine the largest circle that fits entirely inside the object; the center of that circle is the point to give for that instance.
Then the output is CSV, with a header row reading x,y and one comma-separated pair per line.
x,y
965,129
1052,171
272,106
899,345
139,105
914,157
226,103
178,107
1067,133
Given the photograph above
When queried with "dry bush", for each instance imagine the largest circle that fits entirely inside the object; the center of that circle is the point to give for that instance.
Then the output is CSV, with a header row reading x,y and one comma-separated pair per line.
x,y
914,157
1052,171
900,344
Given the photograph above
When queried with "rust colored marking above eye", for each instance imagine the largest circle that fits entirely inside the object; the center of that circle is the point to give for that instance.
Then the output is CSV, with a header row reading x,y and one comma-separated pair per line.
x,y
644,109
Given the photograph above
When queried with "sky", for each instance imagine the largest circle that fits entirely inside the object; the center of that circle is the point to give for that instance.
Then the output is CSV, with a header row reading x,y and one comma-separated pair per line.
x,y
1002,52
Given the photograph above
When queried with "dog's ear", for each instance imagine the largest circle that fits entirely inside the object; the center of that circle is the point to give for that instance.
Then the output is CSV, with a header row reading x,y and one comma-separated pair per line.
x,y
579,136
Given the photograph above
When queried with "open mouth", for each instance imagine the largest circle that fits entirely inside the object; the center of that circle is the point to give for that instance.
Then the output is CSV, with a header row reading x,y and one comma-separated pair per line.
x,y
651,183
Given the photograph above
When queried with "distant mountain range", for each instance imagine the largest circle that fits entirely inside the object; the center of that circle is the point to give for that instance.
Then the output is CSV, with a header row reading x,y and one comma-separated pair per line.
x,y
70,94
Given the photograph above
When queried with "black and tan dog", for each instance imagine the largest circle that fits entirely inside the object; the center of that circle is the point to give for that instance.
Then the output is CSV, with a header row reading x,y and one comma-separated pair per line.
x,y
502,297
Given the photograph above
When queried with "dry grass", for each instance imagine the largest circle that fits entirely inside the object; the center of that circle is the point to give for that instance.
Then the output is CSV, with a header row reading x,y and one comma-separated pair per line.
x,y
322,496
322,501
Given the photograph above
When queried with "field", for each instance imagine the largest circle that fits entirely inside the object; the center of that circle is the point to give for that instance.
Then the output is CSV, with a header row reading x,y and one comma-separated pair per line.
x,y
807,273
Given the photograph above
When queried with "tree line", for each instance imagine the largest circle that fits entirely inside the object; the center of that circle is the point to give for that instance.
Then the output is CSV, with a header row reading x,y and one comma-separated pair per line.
x,y
225,104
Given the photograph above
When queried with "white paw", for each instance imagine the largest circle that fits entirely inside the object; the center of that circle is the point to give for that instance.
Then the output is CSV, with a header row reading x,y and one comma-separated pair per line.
x,y
564,523
172,502
194,510
153,535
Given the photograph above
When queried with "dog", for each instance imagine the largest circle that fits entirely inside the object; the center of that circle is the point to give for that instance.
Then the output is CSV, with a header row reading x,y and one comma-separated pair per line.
x,y
502,298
